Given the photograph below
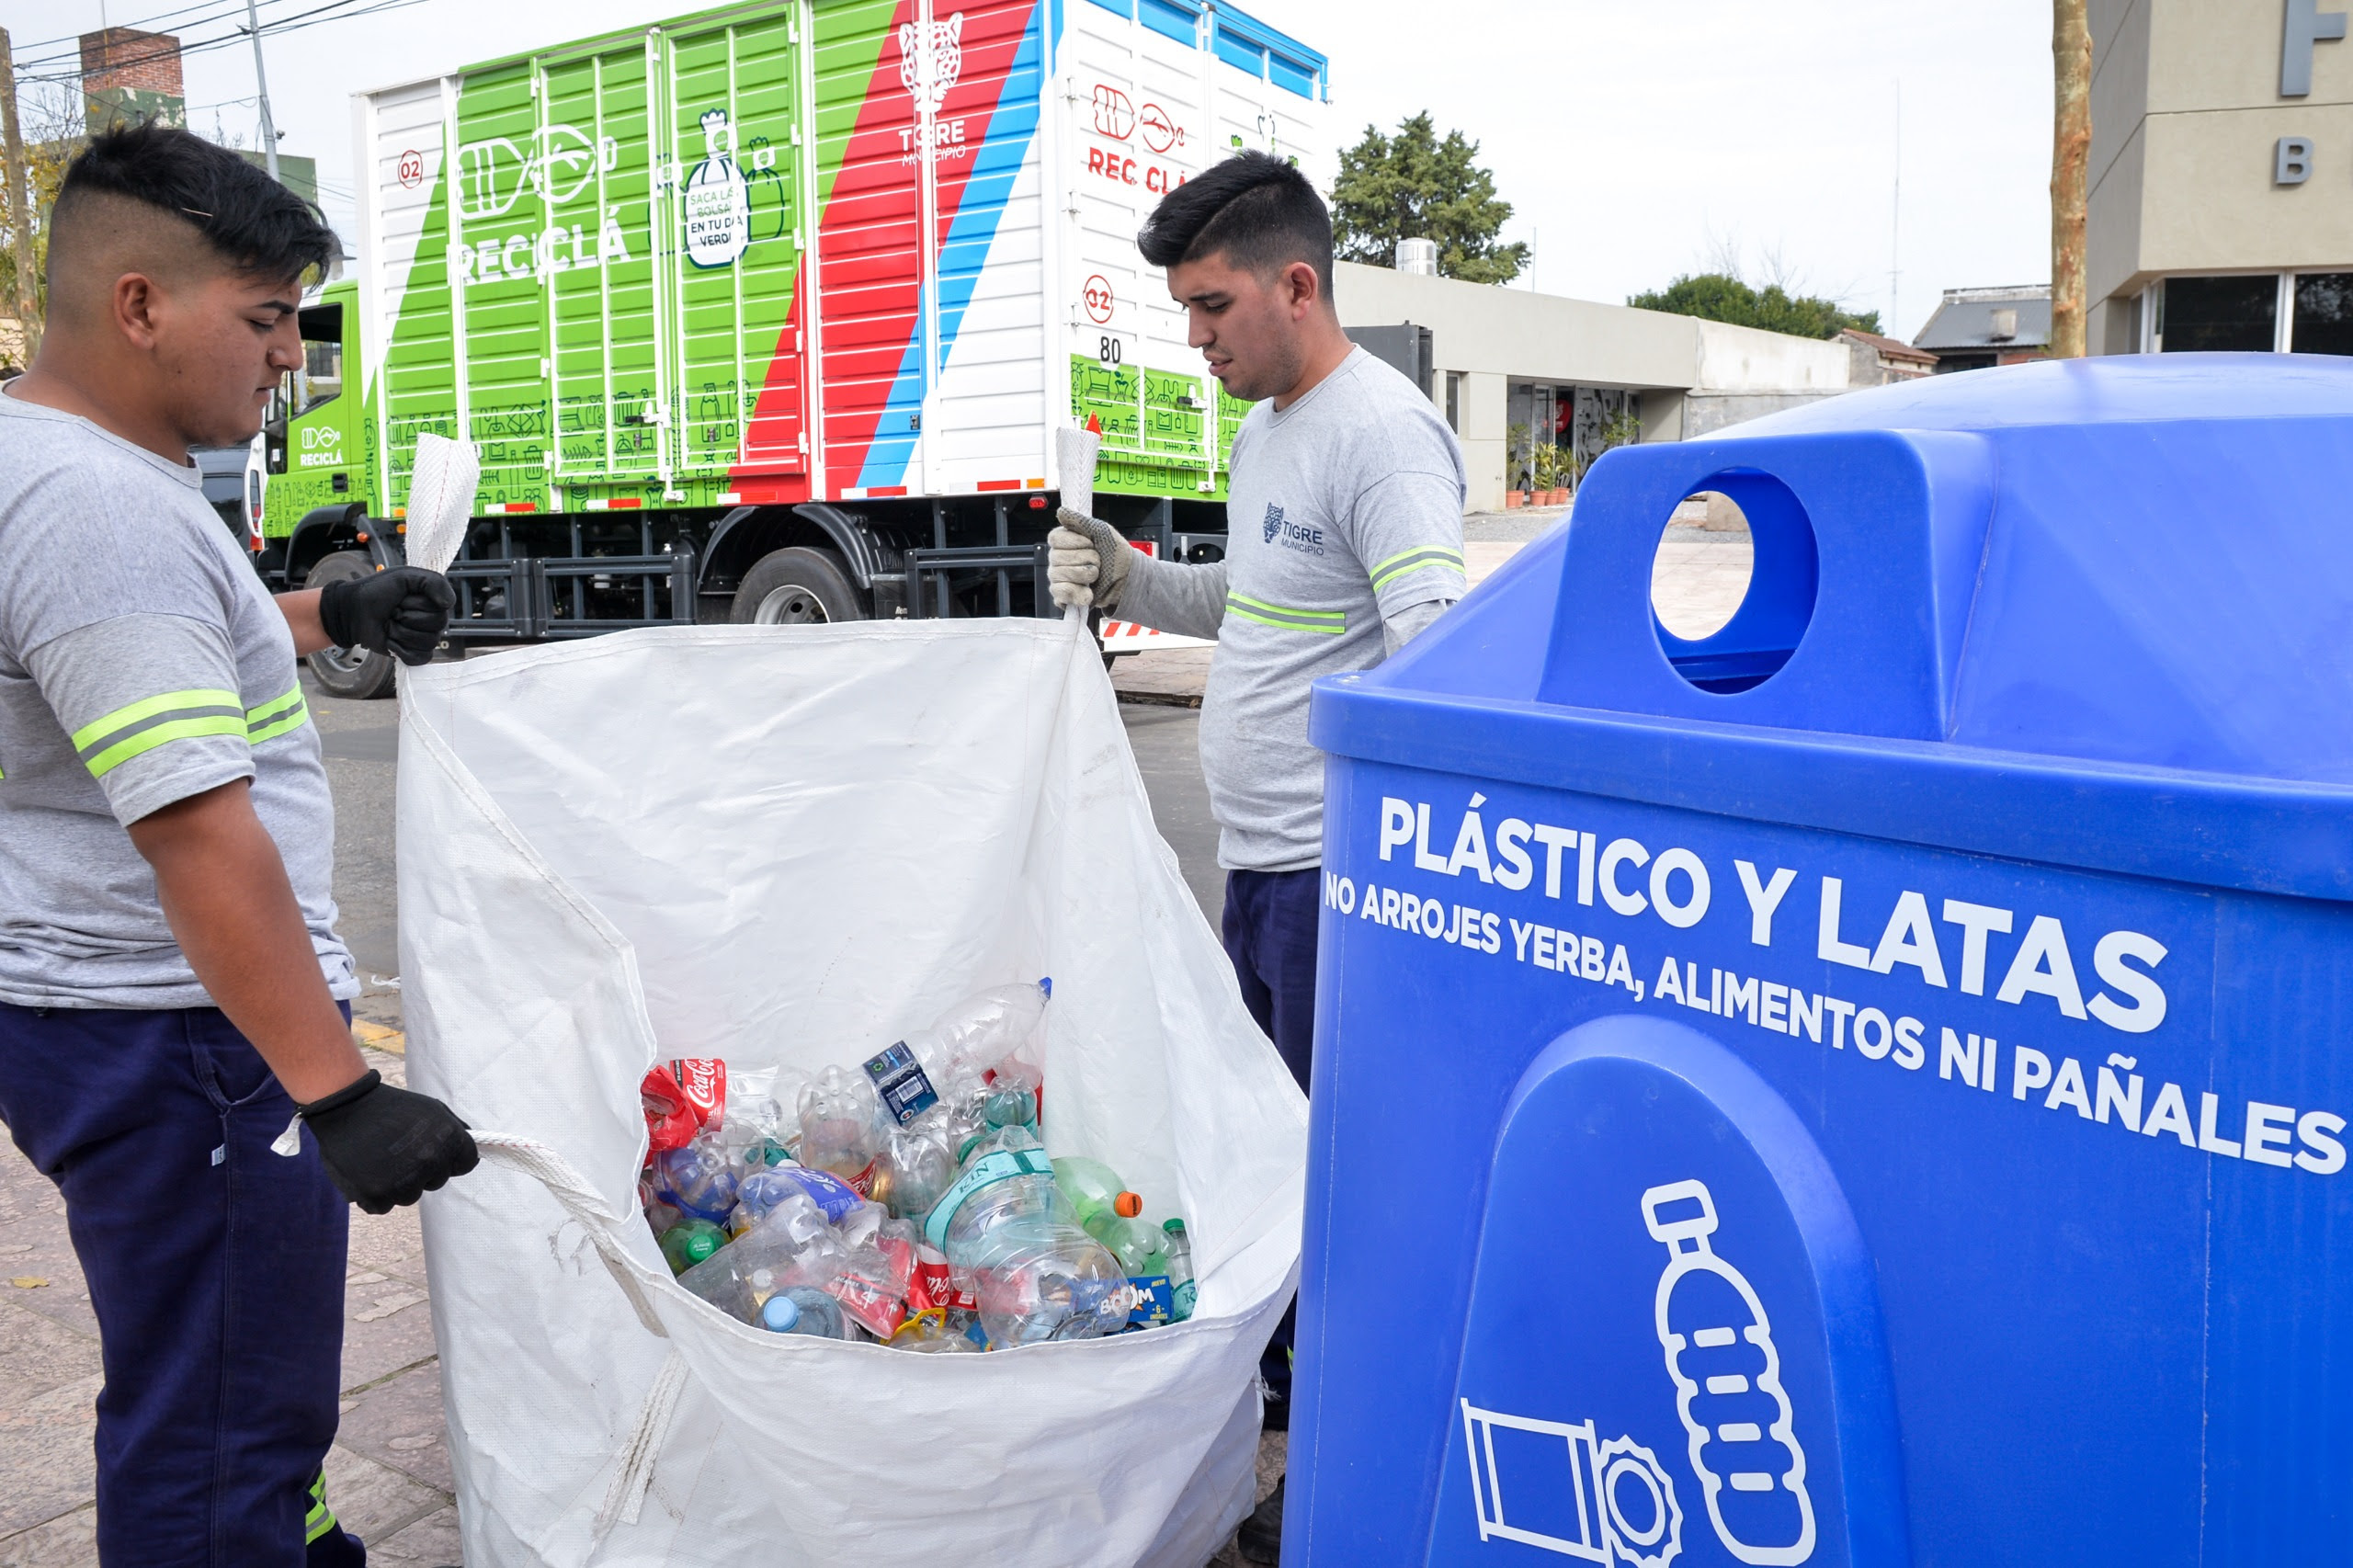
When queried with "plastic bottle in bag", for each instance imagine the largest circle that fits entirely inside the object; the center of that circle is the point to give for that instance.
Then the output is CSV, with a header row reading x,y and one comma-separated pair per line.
x,y
803,1309
1013,1240
914,1172
1180,1270
763,1190
757,1130
837,1112
698,1179
1111,1214
980,1031
791,1245
687,1246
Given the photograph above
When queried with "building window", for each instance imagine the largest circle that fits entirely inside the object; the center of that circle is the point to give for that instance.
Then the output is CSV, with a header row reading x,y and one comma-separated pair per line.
x,y
2324,317
2226,314
1454,401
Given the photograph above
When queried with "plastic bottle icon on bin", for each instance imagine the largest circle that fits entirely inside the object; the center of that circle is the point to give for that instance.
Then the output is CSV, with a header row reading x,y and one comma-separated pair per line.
x,y
1616,1499
1727,1375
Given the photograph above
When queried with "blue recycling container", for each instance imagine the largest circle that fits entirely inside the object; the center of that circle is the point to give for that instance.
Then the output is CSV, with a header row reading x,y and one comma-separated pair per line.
x,y
1868,1087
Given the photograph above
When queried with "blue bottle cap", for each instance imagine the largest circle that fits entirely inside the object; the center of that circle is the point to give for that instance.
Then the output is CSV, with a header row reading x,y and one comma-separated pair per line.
x,y
780,1313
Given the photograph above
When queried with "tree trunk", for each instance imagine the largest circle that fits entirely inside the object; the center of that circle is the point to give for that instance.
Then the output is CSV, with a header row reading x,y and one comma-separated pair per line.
x,y
20,204
2070,49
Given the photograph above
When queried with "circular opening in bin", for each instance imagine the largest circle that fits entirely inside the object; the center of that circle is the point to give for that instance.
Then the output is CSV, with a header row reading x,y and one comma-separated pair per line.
x,y
1732,581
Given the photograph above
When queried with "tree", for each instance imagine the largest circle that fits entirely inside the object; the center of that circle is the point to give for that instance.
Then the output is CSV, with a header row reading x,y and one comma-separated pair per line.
x,y
1722,296
50,130
2071,150
1412,185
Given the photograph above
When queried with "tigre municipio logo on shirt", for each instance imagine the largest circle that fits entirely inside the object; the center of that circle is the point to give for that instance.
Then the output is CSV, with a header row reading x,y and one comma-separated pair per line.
x,y
1291,535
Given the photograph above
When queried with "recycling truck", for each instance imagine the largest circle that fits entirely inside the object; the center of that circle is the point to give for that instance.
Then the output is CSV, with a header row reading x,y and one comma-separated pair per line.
x,y
769,313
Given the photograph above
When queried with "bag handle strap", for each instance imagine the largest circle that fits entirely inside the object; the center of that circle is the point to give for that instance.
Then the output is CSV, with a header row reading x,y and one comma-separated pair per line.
x,y
580,1201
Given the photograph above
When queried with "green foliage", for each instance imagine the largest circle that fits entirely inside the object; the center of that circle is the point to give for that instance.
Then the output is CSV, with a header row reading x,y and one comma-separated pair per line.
x,y
1718,295
1414,186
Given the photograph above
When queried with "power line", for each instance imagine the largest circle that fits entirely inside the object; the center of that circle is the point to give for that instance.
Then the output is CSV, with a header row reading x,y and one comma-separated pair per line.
x,y
335,11
216,11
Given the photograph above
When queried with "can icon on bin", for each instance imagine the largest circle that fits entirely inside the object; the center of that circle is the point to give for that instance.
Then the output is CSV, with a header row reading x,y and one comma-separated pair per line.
x,y
1616,1496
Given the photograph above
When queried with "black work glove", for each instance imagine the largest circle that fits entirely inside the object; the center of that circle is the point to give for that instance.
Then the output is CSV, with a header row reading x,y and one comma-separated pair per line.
x,y
402,610
386,1147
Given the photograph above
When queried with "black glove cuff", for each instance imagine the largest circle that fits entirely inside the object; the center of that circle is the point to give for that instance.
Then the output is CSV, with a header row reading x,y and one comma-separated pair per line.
x,y
358,1088
334,600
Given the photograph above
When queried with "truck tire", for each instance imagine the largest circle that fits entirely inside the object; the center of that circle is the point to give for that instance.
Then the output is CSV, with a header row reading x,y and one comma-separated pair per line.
x,y
797,586
358,674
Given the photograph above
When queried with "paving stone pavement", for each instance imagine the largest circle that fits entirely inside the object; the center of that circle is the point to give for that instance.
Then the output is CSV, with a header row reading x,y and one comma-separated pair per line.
x,y
388,1474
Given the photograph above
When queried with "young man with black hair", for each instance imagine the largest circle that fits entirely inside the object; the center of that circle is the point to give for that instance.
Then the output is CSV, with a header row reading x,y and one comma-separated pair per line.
x,y
1344,541
173,995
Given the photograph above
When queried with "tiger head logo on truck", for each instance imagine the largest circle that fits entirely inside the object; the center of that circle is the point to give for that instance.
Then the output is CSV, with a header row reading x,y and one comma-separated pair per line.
x,y
928,67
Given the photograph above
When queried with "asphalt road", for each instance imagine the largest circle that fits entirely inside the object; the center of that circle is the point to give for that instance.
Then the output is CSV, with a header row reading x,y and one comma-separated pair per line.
x,y
363,745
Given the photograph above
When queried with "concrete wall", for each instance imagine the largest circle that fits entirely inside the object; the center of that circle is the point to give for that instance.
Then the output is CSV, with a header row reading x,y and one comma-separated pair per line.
x,y
2185,113
1495,336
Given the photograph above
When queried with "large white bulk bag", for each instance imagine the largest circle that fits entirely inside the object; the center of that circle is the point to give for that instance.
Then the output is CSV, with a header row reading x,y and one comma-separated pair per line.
x,y
794,846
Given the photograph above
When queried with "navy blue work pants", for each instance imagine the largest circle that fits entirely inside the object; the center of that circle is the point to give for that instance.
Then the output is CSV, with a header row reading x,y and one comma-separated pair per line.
x,y
215,1270
1269,930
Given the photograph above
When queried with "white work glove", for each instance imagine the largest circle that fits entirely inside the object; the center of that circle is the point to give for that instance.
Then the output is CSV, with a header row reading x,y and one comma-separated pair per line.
x,y
1087,562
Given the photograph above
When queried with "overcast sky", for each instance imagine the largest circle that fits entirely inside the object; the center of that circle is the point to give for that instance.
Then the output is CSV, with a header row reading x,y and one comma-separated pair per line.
x,y
1636,141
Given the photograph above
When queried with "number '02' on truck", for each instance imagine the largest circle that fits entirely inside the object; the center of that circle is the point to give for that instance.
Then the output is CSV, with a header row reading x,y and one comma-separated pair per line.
x,y
769,313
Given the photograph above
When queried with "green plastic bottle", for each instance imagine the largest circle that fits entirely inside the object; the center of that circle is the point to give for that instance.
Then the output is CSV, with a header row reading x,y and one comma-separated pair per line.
x,y
1180,1270
1110,1211
687,1244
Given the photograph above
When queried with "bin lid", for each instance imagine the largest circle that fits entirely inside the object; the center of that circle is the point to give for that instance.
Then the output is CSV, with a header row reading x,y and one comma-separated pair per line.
x,y
2097,612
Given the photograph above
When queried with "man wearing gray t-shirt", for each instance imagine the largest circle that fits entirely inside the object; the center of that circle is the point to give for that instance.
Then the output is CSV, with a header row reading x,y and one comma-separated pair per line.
x,y
174,1054
1344,539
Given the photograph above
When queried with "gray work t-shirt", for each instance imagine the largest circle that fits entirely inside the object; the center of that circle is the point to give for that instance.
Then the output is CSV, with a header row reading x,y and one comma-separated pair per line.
x,y
140,663
1343,510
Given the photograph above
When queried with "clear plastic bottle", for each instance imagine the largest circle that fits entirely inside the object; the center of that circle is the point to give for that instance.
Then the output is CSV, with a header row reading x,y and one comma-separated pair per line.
x,y
698,1179
1180,1270
1014,1242
837,1112
803,1309
792,1246
980,1031
914,1172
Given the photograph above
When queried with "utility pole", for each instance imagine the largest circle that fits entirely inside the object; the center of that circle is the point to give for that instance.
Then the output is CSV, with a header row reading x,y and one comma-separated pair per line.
x,y
20,205
261,82
1896,224
2070,149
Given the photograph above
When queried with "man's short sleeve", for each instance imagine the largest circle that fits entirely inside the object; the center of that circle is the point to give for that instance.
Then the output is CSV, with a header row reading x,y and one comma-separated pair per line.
x,y
123,627
1408,520
151,707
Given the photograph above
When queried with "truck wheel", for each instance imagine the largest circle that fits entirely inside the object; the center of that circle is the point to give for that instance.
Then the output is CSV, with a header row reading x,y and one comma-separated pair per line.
x,y
797,587
354,673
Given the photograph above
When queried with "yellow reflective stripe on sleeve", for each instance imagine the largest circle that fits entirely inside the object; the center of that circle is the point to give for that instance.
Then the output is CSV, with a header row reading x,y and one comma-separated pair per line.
x,y
277,717
1328,623
147,739
1406,561
149,707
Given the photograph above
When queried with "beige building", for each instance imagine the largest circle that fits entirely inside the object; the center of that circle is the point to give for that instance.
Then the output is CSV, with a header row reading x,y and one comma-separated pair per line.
x,y
2222,176
1513,372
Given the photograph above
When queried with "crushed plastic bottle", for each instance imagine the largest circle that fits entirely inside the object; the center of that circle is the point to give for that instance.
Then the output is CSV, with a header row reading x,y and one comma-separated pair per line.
x,y
792,1246
914,1172
803,1309
1111,1214
1014,1240
762,1191
698,1179
1185,1291
837,1112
